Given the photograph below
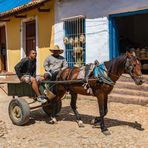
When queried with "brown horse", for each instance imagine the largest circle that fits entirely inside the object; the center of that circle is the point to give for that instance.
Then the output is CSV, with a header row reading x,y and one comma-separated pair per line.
x,y
115,68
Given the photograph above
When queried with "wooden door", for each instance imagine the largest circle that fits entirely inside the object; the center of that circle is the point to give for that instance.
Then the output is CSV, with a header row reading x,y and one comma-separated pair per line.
x,y
3,50
30,36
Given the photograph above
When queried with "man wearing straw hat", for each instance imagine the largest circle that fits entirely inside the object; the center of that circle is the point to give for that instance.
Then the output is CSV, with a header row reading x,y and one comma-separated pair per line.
x,y
54,63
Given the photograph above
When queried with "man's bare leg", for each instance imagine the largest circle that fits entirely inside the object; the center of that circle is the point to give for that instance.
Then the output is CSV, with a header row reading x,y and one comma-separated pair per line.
x,y
35,86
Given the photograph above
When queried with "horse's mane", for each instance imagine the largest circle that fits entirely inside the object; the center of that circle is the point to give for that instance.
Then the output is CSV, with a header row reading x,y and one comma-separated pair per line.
x,y
116,66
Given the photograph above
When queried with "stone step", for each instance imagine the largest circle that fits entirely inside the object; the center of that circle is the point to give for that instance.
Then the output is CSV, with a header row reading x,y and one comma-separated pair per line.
x,y
127,78
130,85
126,91
128,99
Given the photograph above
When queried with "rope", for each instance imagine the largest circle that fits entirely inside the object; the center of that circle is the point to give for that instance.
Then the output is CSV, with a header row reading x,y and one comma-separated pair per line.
x,y
52,86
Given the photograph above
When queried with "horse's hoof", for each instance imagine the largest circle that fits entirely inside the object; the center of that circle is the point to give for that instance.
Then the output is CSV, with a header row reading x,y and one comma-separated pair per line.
x,y
106,132
53,121
80,123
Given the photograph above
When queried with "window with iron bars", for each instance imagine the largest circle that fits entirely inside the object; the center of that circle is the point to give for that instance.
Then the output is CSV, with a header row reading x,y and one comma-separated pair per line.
x,y
74,41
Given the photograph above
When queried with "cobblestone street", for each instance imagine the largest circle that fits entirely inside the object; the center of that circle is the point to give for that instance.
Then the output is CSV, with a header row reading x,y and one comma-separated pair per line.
x,y
128,125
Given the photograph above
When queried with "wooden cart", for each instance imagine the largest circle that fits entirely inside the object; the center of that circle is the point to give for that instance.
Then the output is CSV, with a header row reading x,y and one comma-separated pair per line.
x,y
19,109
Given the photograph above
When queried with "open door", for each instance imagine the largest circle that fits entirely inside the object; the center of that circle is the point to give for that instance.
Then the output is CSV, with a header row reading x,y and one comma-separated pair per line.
x,y
3,50
30,36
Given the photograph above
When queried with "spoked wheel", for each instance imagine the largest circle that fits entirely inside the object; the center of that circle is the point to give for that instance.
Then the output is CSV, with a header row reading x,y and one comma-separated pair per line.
x,y
48,109
19,111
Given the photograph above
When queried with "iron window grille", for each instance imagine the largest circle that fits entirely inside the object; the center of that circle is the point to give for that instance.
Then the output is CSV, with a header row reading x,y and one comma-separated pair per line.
x,y
74,41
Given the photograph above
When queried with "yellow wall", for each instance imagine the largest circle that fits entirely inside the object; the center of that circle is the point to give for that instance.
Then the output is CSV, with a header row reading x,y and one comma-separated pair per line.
x,y
45,31
46,35
13,45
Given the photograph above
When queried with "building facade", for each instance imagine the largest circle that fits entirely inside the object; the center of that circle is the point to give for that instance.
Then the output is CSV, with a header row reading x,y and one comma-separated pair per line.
x,y
29,26
86,30
109,27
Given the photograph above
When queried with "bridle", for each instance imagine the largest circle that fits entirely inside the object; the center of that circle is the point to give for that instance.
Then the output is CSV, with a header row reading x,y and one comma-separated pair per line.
x,y
129,67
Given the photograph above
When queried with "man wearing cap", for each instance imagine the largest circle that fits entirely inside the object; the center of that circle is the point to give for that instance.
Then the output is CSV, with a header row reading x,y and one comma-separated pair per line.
x,y
54,63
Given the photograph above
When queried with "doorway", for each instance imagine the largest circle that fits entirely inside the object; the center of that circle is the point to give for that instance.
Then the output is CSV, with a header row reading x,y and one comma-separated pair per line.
x,y
3,50
130,30
30,36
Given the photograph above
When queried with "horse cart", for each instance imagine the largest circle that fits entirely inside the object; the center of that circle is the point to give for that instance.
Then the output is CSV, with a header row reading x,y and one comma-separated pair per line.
x,y
19,108
99,82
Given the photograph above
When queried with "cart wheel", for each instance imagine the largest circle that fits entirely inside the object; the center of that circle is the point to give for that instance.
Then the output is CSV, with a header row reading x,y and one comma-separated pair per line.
x,y
49,108
19,111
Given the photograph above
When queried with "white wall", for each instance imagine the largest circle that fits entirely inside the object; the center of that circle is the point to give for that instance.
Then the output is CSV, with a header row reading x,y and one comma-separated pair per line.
x,y
59,35
96,13
97,40
96,8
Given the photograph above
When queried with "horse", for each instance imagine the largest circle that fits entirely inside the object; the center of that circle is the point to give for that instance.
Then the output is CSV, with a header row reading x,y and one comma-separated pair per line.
x,y
100,89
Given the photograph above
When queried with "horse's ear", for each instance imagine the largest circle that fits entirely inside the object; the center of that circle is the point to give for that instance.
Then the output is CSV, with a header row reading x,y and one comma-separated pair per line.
x,y
128,54
96,62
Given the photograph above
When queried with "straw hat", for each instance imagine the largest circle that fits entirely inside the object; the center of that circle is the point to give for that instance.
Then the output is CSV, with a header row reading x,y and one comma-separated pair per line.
x,y
82,38
71,41
56,48
65,40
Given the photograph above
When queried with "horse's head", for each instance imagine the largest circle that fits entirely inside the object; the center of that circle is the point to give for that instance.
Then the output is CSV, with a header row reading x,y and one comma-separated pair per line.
x,y
133,68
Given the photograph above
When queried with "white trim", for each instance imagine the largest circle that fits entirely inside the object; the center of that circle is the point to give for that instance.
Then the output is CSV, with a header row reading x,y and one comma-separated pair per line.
x,y
37,47
73,17
5,25
6,32
23,37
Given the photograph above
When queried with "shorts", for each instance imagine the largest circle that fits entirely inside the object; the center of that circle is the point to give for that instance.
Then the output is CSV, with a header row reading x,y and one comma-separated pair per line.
x,y
26,79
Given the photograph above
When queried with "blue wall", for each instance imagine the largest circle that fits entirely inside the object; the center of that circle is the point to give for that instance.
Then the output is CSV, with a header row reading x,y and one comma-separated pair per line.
x,y
10,4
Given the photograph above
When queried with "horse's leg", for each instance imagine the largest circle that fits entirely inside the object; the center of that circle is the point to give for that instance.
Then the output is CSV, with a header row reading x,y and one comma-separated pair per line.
x,y
97,120
53,113
74,108
102,102
105,105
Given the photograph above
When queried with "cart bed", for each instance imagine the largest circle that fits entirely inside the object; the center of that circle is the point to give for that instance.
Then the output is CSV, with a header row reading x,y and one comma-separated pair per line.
x,y
20,89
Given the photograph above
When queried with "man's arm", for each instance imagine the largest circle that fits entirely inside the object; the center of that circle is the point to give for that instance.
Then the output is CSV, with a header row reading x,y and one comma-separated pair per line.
x,y
18,67
46,64
65,64
34,73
